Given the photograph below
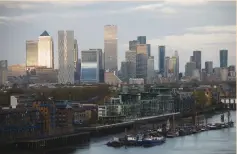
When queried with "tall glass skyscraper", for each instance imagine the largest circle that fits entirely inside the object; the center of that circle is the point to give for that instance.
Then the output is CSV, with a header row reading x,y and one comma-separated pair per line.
x,y
197,58
91,65
148,50
162,59
75,53
45,50
223,58
31,53
141,39
110,47
66,57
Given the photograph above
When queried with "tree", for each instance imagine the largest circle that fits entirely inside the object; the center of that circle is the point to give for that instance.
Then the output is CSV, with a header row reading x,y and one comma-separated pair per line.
x,y
200,98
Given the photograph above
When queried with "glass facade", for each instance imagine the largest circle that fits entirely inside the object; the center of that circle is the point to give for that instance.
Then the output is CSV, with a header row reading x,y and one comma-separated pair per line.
x,y
31,53
197,59
141,39
162,59
89,72
110,47
223,58
66,57
148,50
45,51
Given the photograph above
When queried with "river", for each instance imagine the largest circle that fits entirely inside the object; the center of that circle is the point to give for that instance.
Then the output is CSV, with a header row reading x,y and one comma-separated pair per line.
x,y
210,142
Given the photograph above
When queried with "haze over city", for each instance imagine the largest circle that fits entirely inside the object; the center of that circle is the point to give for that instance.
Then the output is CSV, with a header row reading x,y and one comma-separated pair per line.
x,y
182,26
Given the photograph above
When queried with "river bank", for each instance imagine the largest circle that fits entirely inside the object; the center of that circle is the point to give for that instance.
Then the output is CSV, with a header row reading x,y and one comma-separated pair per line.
x,y
210,142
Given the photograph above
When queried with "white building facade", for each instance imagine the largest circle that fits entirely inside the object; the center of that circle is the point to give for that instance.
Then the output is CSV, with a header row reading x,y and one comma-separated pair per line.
x,y
66,57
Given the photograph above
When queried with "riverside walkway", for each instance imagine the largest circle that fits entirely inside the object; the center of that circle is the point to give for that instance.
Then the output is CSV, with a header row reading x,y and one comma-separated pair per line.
x,y
130,122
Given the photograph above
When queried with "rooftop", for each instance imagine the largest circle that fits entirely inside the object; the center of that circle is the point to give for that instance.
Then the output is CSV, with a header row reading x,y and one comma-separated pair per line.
x,y
45,33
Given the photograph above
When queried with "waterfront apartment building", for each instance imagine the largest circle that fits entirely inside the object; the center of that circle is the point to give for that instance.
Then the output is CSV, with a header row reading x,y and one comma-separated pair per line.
x,y
223,58
31,53
110,47
45,50
91,66
66,57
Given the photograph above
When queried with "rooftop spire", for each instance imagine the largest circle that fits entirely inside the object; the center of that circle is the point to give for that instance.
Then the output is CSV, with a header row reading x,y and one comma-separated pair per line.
x,y
45,33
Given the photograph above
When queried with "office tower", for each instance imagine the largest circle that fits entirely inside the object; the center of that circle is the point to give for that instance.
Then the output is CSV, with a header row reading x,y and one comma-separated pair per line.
x,y
91,64
148,50
167,67
3,72
177,65
223,58
203,75
110,47
141,66
189,67
141,61
31,53
209,67
217,71
141,39
66,57
150,70
173,66
130,57
101,65
133,45
78,71
124,71
161,59
45,50
197,59
224,74
75,53
142,49
191,59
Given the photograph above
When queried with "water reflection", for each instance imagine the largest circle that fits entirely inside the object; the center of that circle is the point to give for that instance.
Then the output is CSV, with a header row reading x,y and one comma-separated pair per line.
x,y
210,142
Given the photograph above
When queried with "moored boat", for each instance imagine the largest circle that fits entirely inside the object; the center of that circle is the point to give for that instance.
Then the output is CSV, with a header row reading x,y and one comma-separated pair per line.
x,y
172,134
115,142
153,141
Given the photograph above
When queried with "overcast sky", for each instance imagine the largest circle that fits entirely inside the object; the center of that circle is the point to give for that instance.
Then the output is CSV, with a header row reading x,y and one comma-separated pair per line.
x,y
182,25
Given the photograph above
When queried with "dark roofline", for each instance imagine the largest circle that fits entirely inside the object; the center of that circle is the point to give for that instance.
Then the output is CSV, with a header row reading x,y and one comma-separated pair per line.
x,y
45,33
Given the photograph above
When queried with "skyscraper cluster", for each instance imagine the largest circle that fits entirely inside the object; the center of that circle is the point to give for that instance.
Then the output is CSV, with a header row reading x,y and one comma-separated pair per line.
x,y
194,69
40,54
139,63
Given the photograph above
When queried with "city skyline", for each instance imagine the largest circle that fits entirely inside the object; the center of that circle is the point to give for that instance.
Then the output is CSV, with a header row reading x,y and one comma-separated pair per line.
x,y
208,34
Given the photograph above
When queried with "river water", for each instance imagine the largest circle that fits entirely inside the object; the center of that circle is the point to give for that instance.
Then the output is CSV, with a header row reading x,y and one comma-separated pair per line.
x,y
210,142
